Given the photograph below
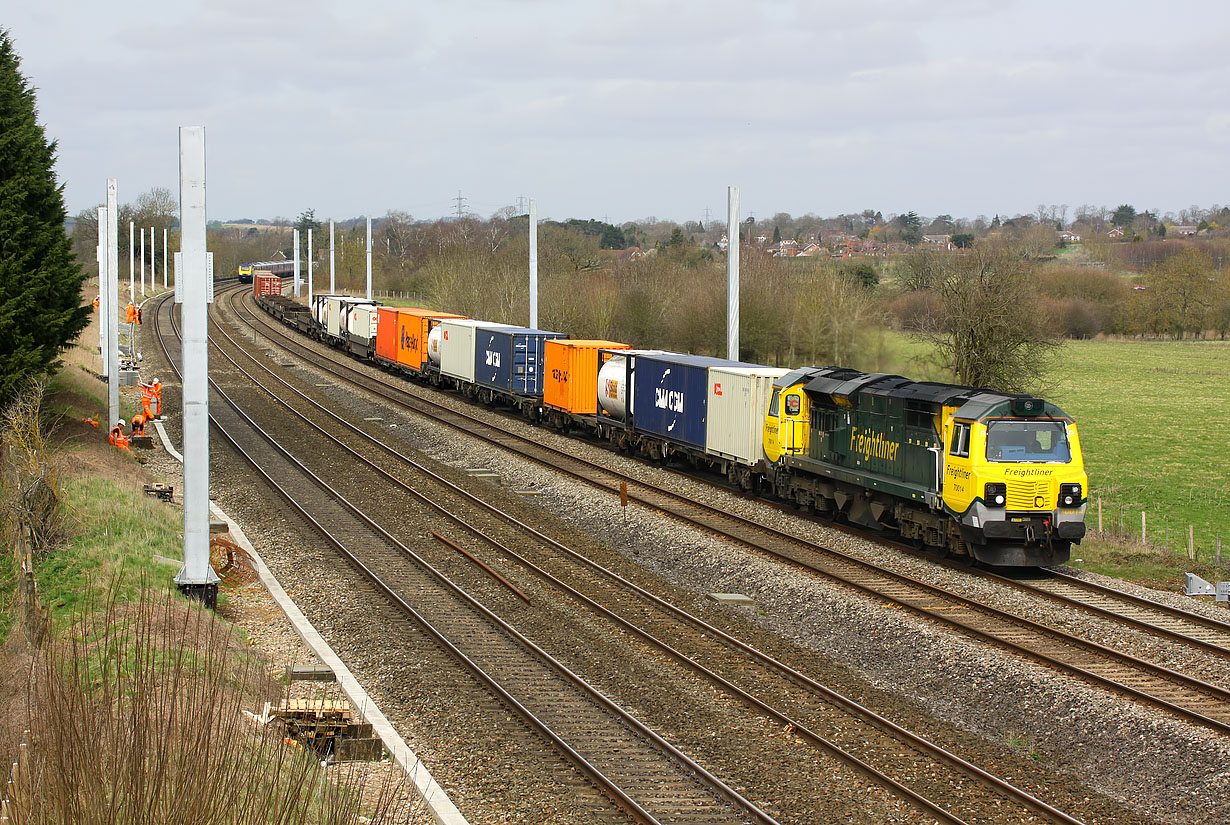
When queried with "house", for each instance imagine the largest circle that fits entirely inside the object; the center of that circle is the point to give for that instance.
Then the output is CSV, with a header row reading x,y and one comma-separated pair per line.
x,y
1116,233
1069,237
724,243
632,253
939,240
812,250
1183,231
786,249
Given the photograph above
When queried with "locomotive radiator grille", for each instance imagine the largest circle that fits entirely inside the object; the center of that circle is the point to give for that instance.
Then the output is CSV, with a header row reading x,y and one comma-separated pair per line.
x,y
1030,495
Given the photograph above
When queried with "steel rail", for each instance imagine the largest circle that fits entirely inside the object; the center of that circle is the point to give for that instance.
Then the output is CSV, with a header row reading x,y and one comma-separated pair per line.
x,y
604,783
884,725
1190,683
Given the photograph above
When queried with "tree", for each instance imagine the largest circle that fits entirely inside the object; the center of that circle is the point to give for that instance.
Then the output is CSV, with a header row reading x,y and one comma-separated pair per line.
x,y
307,220
989,328
1179,292
963,240
40,280
612,238
1124,215
911,228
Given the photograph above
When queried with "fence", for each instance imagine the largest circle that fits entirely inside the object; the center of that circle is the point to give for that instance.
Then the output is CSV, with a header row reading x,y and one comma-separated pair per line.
x,y
1119,522
397,295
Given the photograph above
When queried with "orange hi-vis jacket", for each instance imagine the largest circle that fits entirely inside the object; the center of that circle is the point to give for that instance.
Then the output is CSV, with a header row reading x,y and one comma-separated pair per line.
x,y
131,313
138,426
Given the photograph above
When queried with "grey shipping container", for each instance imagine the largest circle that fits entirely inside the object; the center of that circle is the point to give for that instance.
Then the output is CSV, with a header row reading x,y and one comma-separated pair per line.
x,y
510,359
457,339
738,401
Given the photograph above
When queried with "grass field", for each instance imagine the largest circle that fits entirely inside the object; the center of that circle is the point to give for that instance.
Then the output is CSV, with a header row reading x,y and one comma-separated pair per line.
x,y
1154,417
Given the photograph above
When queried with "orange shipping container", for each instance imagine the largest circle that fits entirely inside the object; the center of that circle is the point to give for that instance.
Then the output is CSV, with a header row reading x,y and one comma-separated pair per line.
x,y
386,333
411,334
570,380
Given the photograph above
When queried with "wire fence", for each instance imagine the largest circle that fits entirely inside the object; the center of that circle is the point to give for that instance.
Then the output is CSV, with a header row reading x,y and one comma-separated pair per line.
x,y
1156,531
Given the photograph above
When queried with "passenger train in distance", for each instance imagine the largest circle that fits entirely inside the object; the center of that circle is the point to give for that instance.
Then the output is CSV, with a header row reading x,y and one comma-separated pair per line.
x,y
280,268
995,477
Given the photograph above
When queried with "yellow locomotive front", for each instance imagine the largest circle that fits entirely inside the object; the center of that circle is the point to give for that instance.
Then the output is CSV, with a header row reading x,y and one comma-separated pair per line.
x,y
1014,479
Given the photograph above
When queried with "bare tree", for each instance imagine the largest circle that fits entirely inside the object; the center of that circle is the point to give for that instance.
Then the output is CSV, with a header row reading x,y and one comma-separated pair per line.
x,y
990,329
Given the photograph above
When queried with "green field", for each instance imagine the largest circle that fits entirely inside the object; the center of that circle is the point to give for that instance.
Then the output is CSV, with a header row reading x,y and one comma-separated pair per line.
x,y
1154,418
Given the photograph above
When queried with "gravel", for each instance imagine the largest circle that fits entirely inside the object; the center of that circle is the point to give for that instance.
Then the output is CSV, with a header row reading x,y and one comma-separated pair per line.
x,y
1145,760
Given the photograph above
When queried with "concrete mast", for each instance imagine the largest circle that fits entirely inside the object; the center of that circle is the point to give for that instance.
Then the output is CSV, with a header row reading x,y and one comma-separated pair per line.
x,y
732,273
533,264
369,259
113,302
197,578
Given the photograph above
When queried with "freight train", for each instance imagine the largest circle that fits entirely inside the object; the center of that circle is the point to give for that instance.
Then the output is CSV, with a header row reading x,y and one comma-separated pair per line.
x,y
995,477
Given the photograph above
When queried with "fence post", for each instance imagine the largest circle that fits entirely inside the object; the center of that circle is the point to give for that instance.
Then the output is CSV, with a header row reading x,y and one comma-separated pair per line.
x,y
1099,514
1144,535
1191,542
1217,551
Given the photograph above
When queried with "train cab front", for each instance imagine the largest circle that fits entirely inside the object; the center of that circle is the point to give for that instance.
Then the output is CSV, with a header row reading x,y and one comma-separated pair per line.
x,y
1015,480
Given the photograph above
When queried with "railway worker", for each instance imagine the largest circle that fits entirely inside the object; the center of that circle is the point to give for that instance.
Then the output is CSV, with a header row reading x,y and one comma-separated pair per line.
x,y
138,316
117,435
151,399
138,425
130,313
96,303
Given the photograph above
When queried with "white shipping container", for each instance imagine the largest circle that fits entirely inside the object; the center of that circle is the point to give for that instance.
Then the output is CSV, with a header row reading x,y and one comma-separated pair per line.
x,y
361,321
333,314
738,402
457,346
320,308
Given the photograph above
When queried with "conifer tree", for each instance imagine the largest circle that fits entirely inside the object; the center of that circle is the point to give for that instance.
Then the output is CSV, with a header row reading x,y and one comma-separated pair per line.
x,y
40,280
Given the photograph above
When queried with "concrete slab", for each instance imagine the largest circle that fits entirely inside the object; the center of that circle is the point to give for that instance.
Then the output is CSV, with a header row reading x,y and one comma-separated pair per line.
x,y
737,599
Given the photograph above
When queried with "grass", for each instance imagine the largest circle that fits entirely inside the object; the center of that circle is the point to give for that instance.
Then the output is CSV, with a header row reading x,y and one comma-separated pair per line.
x,y
1153,419
117,533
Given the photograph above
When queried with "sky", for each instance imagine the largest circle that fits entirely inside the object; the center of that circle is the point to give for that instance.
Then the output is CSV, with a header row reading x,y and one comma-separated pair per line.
x,y
639,108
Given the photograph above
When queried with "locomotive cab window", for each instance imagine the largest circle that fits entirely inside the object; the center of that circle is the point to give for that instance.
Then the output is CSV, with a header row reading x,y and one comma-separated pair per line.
x,y
960,440
773,402
793,404
1029,441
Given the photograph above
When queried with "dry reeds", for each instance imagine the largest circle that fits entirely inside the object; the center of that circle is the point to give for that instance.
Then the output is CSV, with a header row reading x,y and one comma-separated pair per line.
x,y
138,717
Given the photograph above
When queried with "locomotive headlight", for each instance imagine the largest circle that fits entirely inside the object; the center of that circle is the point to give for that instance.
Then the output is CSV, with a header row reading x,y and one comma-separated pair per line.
x,y
1069,495
995,493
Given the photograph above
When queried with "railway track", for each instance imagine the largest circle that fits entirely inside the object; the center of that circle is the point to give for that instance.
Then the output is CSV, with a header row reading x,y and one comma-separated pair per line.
x,y
644,776
834,724
1187,696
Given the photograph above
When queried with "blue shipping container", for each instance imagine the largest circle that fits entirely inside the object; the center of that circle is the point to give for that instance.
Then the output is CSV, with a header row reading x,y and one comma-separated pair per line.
x,y
510,359
670,395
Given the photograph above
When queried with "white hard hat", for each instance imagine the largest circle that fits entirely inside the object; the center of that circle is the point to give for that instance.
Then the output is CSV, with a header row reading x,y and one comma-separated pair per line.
x,y
120,423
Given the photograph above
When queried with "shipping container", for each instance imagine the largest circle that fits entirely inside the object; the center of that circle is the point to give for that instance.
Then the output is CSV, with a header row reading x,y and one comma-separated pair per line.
x,y
738,402
670,395
337,307
510,359
265,283
320,307
570,374
386,333
457,344
413,330
361,320
614,388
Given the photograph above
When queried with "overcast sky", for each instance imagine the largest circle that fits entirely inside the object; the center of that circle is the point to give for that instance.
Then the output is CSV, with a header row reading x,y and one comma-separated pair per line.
x,y
623,110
